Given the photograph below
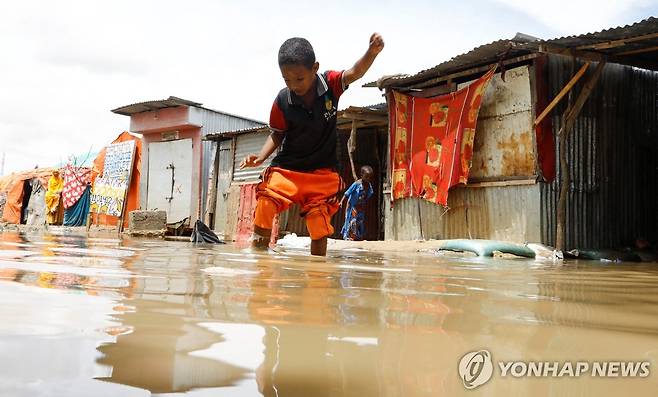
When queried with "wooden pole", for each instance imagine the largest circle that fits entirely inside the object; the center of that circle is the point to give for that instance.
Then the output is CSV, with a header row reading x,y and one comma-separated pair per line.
x,y
125,194
569,118
618,43
351,148
562,93
211,200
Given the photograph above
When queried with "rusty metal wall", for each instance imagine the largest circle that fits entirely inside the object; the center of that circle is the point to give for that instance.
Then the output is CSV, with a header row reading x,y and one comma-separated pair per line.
x,y
504,152
214,122
247,144
613,160
510,213
504,146
232,208
295,223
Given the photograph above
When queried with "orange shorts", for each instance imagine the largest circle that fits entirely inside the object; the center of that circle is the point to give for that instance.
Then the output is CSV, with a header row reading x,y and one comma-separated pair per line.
x,y
316,191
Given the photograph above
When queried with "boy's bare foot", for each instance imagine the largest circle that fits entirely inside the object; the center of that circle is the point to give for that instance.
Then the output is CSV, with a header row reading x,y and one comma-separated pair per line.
x,y
260,240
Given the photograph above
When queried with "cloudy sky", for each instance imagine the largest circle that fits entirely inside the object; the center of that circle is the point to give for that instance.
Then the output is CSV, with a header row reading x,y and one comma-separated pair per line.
x,y
65,64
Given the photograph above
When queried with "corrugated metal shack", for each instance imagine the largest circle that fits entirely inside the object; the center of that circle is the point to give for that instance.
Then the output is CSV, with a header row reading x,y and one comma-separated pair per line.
x,y
177,161
610,145
233,190
228,183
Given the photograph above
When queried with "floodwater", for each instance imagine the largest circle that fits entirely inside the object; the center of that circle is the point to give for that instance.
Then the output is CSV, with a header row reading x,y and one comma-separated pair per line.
x,y
107,317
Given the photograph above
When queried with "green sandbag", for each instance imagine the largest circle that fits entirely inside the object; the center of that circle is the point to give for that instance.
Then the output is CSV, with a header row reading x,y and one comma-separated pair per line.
x,y
487,247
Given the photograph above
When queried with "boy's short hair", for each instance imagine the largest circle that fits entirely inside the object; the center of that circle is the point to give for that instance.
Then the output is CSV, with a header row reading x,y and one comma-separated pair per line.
x,y
296,51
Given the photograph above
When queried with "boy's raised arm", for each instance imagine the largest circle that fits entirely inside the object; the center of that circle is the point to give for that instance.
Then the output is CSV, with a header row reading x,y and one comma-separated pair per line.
x,y
361,66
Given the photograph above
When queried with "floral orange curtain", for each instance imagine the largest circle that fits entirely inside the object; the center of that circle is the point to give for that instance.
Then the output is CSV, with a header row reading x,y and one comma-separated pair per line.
x,y
432,141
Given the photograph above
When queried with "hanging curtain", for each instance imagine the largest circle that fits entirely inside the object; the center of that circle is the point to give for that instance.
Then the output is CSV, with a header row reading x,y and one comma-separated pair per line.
x,y
77,214
432,141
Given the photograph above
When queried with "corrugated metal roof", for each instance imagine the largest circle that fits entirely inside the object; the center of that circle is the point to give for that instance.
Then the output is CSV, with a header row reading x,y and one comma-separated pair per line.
x,y
148,106
227,134
376,106
366,116
642,28
376,109
171,102
516,46
633,44
366,111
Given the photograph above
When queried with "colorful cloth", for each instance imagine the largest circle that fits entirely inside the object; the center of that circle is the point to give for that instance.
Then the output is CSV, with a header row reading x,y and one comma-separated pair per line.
x,y
357,197
315,191
55,186
432,141
76,180
77,214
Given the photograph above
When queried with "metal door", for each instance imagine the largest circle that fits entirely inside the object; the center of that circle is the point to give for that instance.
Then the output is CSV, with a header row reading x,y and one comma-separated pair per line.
x,y
223,183
170,178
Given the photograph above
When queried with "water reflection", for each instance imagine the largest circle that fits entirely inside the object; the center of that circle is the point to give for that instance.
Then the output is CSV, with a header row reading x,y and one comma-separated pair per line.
x,y
157,354
103,315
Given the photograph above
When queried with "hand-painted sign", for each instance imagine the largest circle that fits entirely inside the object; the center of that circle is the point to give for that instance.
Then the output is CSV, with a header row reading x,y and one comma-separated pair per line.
x,y
108,194
119,160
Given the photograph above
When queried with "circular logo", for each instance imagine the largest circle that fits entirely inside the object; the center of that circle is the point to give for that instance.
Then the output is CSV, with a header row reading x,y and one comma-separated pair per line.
x,y
475,368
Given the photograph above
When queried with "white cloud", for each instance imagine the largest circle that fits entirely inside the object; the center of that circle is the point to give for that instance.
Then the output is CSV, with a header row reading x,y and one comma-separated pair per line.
x,y
570,17
66,64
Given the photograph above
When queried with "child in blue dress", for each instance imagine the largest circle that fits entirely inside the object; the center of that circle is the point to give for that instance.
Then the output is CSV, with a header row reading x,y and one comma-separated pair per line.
x,y
357,196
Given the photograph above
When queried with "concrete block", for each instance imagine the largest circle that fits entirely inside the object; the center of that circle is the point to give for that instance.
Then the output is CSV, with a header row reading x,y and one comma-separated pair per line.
x,y
147,221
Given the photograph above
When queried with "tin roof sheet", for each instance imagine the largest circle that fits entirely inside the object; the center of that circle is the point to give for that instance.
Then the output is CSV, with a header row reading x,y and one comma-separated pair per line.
x,y
635,44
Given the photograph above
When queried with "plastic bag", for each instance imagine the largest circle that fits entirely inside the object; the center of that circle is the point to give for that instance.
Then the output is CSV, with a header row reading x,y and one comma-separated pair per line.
x,y
203,234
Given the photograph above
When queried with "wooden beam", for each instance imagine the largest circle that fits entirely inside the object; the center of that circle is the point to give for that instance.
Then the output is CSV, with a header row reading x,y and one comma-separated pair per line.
x,y
477,70
211,202
434,91
364,116
510,182
584,94
639,51
598,57
464,73
617,43
570,52
360,124
562,93
351,148
569,118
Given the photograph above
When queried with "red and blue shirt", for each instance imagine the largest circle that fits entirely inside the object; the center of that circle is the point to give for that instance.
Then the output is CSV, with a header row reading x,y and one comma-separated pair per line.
x,y
309,135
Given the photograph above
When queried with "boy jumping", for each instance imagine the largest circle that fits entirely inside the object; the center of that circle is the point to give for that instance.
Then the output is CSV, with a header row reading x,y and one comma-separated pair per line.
x,y
303,120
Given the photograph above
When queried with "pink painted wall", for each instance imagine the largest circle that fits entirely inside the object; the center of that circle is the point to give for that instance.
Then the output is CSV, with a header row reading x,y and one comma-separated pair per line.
x,y
161,120
152,125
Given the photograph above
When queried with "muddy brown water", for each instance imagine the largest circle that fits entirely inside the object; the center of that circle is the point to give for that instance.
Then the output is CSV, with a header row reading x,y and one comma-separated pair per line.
x,y
100,316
